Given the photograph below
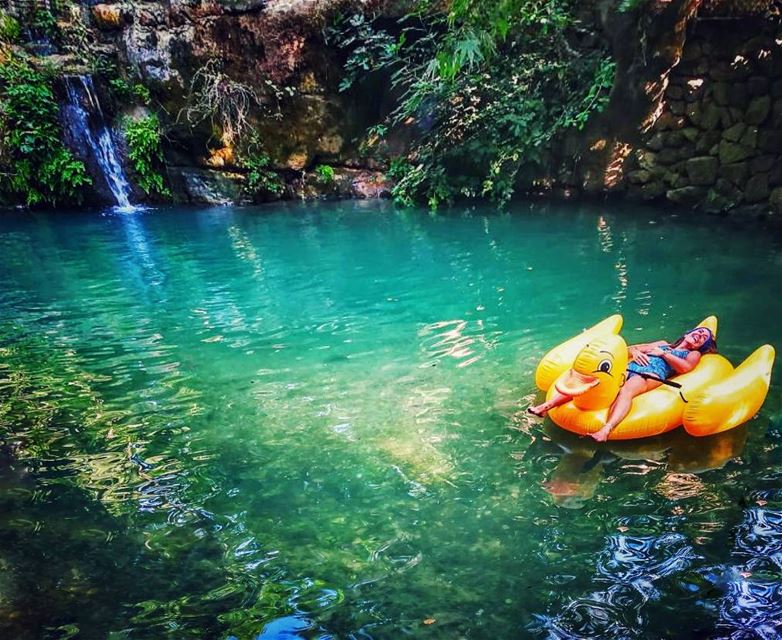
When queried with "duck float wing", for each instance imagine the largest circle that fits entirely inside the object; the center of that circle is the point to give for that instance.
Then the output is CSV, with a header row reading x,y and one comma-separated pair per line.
x,y
560,358
733,399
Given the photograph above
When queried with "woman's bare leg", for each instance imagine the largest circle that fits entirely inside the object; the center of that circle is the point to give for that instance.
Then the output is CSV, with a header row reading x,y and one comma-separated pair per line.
x,y
556,400
635,386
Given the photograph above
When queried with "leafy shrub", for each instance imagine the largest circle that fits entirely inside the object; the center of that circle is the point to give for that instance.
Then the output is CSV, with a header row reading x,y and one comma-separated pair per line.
x,y
42,22
10,30
485,87
103,65
34,164
261,178
142,93
325,173
145,152
120,88
123,91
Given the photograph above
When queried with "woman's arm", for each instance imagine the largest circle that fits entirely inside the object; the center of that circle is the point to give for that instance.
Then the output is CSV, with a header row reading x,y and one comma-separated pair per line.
x,y
680,365
638,352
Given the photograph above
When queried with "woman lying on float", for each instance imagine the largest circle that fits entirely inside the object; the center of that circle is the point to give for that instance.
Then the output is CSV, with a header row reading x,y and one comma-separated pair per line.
x,y
600,394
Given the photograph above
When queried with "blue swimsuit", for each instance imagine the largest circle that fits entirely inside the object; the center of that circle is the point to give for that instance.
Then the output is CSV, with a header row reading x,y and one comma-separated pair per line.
x,y
657,366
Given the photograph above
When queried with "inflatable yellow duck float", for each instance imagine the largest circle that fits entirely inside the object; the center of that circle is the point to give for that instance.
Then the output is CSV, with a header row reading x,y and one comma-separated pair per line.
x,y
591,367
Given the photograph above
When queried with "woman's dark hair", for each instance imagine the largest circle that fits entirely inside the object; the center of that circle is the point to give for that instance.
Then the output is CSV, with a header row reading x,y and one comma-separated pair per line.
x,y
710,346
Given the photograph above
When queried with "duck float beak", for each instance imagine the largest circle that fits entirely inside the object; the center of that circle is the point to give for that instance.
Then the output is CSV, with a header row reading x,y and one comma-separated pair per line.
x,y
575,384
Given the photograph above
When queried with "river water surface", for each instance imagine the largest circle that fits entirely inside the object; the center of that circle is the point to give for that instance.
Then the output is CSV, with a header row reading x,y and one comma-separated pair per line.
x,y
307,421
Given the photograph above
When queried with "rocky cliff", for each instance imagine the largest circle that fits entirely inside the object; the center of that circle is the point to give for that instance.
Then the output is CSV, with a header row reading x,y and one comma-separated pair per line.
x,y
694,118
270,60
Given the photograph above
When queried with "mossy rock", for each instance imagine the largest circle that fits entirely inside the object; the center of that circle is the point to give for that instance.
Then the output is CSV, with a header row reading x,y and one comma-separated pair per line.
x,y
686,195
702,170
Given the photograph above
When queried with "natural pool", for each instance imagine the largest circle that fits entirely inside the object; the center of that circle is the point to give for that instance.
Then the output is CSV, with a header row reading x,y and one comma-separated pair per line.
x,y
307,421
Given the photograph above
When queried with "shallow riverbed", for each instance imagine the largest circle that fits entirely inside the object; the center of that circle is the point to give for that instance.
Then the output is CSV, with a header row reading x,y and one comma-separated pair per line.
x,y
309,420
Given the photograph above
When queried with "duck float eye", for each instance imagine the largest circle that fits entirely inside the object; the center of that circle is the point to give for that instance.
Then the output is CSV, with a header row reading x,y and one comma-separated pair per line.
x,y
604,366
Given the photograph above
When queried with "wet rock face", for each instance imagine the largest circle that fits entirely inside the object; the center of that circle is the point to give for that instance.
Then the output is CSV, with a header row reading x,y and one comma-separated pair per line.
x,y
362,184
695,113
108,16
274,48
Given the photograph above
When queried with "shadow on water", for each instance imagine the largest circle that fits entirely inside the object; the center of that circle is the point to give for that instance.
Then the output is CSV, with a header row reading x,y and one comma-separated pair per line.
x,y
739,597
630,568
751,582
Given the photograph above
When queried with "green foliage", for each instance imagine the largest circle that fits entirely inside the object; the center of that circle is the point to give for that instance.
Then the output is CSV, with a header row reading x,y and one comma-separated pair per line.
x,y
596,98
34,164
374,136
43,21
124,91
10,30
484,88
120,88
369,48
142,93
626,6
262,180
103,65
325,173
146,153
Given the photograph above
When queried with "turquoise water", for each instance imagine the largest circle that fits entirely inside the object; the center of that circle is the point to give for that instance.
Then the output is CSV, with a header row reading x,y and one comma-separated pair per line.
x,y
307,421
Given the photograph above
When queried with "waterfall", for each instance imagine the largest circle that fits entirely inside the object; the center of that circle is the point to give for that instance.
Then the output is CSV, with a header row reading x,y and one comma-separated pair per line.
x,y
89,132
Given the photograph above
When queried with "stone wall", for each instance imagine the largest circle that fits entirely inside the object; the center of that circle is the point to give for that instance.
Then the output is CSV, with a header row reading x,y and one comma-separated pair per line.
x,y
717,143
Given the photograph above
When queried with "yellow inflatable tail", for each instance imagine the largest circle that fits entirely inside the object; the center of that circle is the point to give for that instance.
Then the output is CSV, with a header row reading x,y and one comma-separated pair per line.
x,y
734,399
561,357
710,323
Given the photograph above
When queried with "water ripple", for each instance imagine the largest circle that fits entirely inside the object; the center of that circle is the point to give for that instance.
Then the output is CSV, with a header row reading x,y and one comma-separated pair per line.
x,y
240,422
630,565
751,609
639,561
759,539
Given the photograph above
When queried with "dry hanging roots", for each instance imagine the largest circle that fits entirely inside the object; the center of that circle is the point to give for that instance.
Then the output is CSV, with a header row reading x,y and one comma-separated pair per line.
x,y
227,103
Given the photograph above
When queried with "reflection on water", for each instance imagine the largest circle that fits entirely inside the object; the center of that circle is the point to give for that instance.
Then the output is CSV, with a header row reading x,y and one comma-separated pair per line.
x,y
308,421
631,565
581,462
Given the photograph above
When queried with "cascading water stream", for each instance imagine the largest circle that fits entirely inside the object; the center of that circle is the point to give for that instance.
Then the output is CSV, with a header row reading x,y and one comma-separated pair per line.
x,y
85,118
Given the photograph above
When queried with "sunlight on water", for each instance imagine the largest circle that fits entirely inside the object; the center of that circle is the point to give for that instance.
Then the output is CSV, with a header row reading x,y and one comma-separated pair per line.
x,y
308,421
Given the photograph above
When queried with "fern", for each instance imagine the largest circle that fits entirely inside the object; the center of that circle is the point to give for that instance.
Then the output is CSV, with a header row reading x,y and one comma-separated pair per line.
x,y
485,88
145,153
34,164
